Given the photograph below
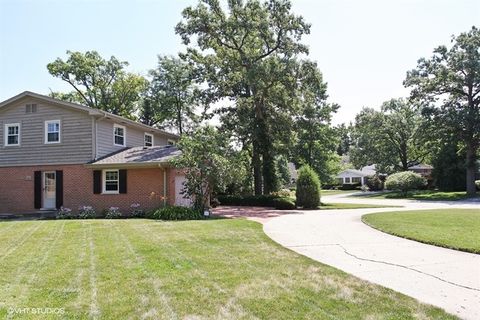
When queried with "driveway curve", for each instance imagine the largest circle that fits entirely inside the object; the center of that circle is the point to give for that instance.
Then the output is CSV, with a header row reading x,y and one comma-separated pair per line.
x,y
442,277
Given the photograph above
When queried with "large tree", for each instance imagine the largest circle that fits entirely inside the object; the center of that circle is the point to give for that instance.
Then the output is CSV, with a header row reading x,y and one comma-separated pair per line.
x,y
170,100
245,54
99,83
451,78
392,138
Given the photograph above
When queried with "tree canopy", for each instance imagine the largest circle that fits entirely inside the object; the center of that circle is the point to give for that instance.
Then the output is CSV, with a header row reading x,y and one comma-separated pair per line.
x,y
99,83
451,80
392,138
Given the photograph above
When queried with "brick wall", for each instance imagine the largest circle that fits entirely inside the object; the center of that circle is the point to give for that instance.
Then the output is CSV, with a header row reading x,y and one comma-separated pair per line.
x,y
144,186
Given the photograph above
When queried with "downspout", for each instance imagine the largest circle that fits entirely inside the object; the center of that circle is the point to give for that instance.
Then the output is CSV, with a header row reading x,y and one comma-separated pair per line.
x,y
164,187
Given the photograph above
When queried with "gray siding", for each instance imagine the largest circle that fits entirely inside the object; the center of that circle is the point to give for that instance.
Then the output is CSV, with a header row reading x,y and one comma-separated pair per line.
x,y
134,137
76,135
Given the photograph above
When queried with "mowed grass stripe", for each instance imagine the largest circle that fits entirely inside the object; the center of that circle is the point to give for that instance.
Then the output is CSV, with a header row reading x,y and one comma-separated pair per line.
x,y
215,269
14,238
154,303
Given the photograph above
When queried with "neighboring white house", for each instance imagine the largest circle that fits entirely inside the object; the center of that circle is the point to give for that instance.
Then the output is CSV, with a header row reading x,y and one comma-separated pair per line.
x,y
355,176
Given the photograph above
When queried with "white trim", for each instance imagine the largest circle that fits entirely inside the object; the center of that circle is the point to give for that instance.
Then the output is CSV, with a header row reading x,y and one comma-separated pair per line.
x,y
124,135
145,142
104,180
9,125
47,122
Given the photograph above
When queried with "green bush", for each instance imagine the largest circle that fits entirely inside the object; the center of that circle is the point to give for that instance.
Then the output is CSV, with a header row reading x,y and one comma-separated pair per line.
x,y
112,213
350,186
86,212
405,181
374,183
477,183
308,188
175,213
283,193
247,200
284,204
65,213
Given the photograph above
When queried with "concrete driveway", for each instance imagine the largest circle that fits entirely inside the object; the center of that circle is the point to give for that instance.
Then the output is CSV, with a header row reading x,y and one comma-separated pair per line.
x,y
442,277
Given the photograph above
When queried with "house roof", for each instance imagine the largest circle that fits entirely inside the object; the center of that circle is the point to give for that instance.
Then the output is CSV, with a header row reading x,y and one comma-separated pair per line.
x,y
137,157
420,166
91,111
353,172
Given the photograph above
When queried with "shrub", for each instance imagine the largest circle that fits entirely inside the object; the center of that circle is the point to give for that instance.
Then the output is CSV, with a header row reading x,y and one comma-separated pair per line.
x,y
374,183
136,211
65,213
308,188
248,200
283,193
284,204
175,213
113,213
86,212
477,184
405,181
350,186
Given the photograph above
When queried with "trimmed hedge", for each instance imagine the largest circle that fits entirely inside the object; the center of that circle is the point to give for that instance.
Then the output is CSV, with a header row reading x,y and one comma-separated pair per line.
x,y
405,181
350,186
247,200
284,204
374,183
175,213
308,188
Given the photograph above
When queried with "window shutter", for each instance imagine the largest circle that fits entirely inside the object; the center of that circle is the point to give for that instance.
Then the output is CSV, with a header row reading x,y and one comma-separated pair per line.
x,y
97,181
37,187
122,176
59,189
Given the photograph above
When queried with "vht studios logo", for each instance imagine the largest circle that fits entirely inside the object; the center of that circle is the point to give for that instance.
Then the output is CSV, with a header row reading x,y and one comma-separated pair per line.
x,y
16,311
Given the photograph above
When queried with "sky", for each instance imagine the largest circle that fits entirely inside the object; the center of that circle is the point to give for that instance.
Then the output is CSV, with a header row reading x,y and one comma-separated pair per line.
x,y
363,48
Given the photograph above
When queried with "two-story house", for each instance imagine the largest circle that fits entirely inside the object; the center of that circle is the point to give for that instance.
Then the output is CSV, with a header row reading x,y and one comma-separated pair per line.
x,y
55,153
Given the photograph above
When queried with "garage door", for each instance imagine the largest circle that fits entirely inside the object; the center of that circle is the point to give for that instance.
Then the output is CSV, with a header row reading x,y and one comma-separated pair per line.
x,y
180,199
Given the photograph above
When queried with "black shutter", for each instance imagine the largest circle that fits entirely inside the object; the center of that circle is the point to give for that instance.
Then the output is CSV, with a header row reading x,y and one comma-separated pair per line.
x,y
97,181
37,189
122,176
59,188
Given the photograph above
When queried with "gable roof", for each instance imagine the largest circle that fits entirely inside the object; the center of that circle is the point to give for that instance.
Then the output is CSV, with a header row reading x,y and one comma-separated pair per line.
x,y
137,157
90,111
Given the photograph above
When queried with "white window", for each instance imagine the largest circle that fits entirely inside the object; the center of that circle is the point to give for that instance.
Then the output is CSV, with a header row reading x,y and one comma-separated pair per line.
x,y
52,131
171,142
110,181
12,134
119,135
148,140
347,180
356,180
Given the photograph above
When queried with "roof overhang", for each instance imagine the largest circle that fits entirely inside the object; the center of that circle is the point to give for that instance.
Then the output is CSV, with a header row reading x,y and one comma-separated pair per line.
x,y
144,165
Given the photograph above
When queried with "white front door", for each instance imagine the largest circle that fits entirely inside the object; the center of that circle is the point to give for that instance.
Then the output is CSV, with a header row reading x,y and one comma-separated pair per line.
x,y
180,199
49,190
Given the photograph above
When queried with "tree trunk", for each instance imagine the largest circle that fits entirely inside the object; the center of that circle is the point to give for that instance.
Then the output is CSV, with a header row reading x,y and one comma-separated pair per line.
x,y
257,169
471,165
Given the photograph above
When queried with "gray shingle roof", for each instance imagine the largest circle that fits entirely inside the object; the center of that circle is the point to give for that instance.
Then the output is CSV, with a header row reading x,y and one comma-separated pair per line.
x,y
141,156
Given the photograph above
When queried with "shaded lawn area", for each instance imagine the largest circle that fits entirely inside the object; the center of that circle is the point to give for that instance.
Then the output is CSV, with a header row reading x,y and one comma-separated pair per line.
x,y
330,206
223,268
451,228
420,195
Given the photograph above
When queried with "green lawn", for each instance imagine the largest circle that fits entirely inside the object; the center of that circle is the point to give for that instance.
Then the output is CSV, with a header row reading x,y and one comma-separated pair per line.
x,y
330,206
451,228
220,269
334,192
420,195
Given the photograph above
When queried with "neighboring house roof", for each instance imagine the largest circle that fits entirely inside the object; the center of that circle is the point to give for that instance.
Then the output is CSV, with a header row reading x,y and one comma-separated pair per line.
x,y
91,111
421,166
137,157
364,172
